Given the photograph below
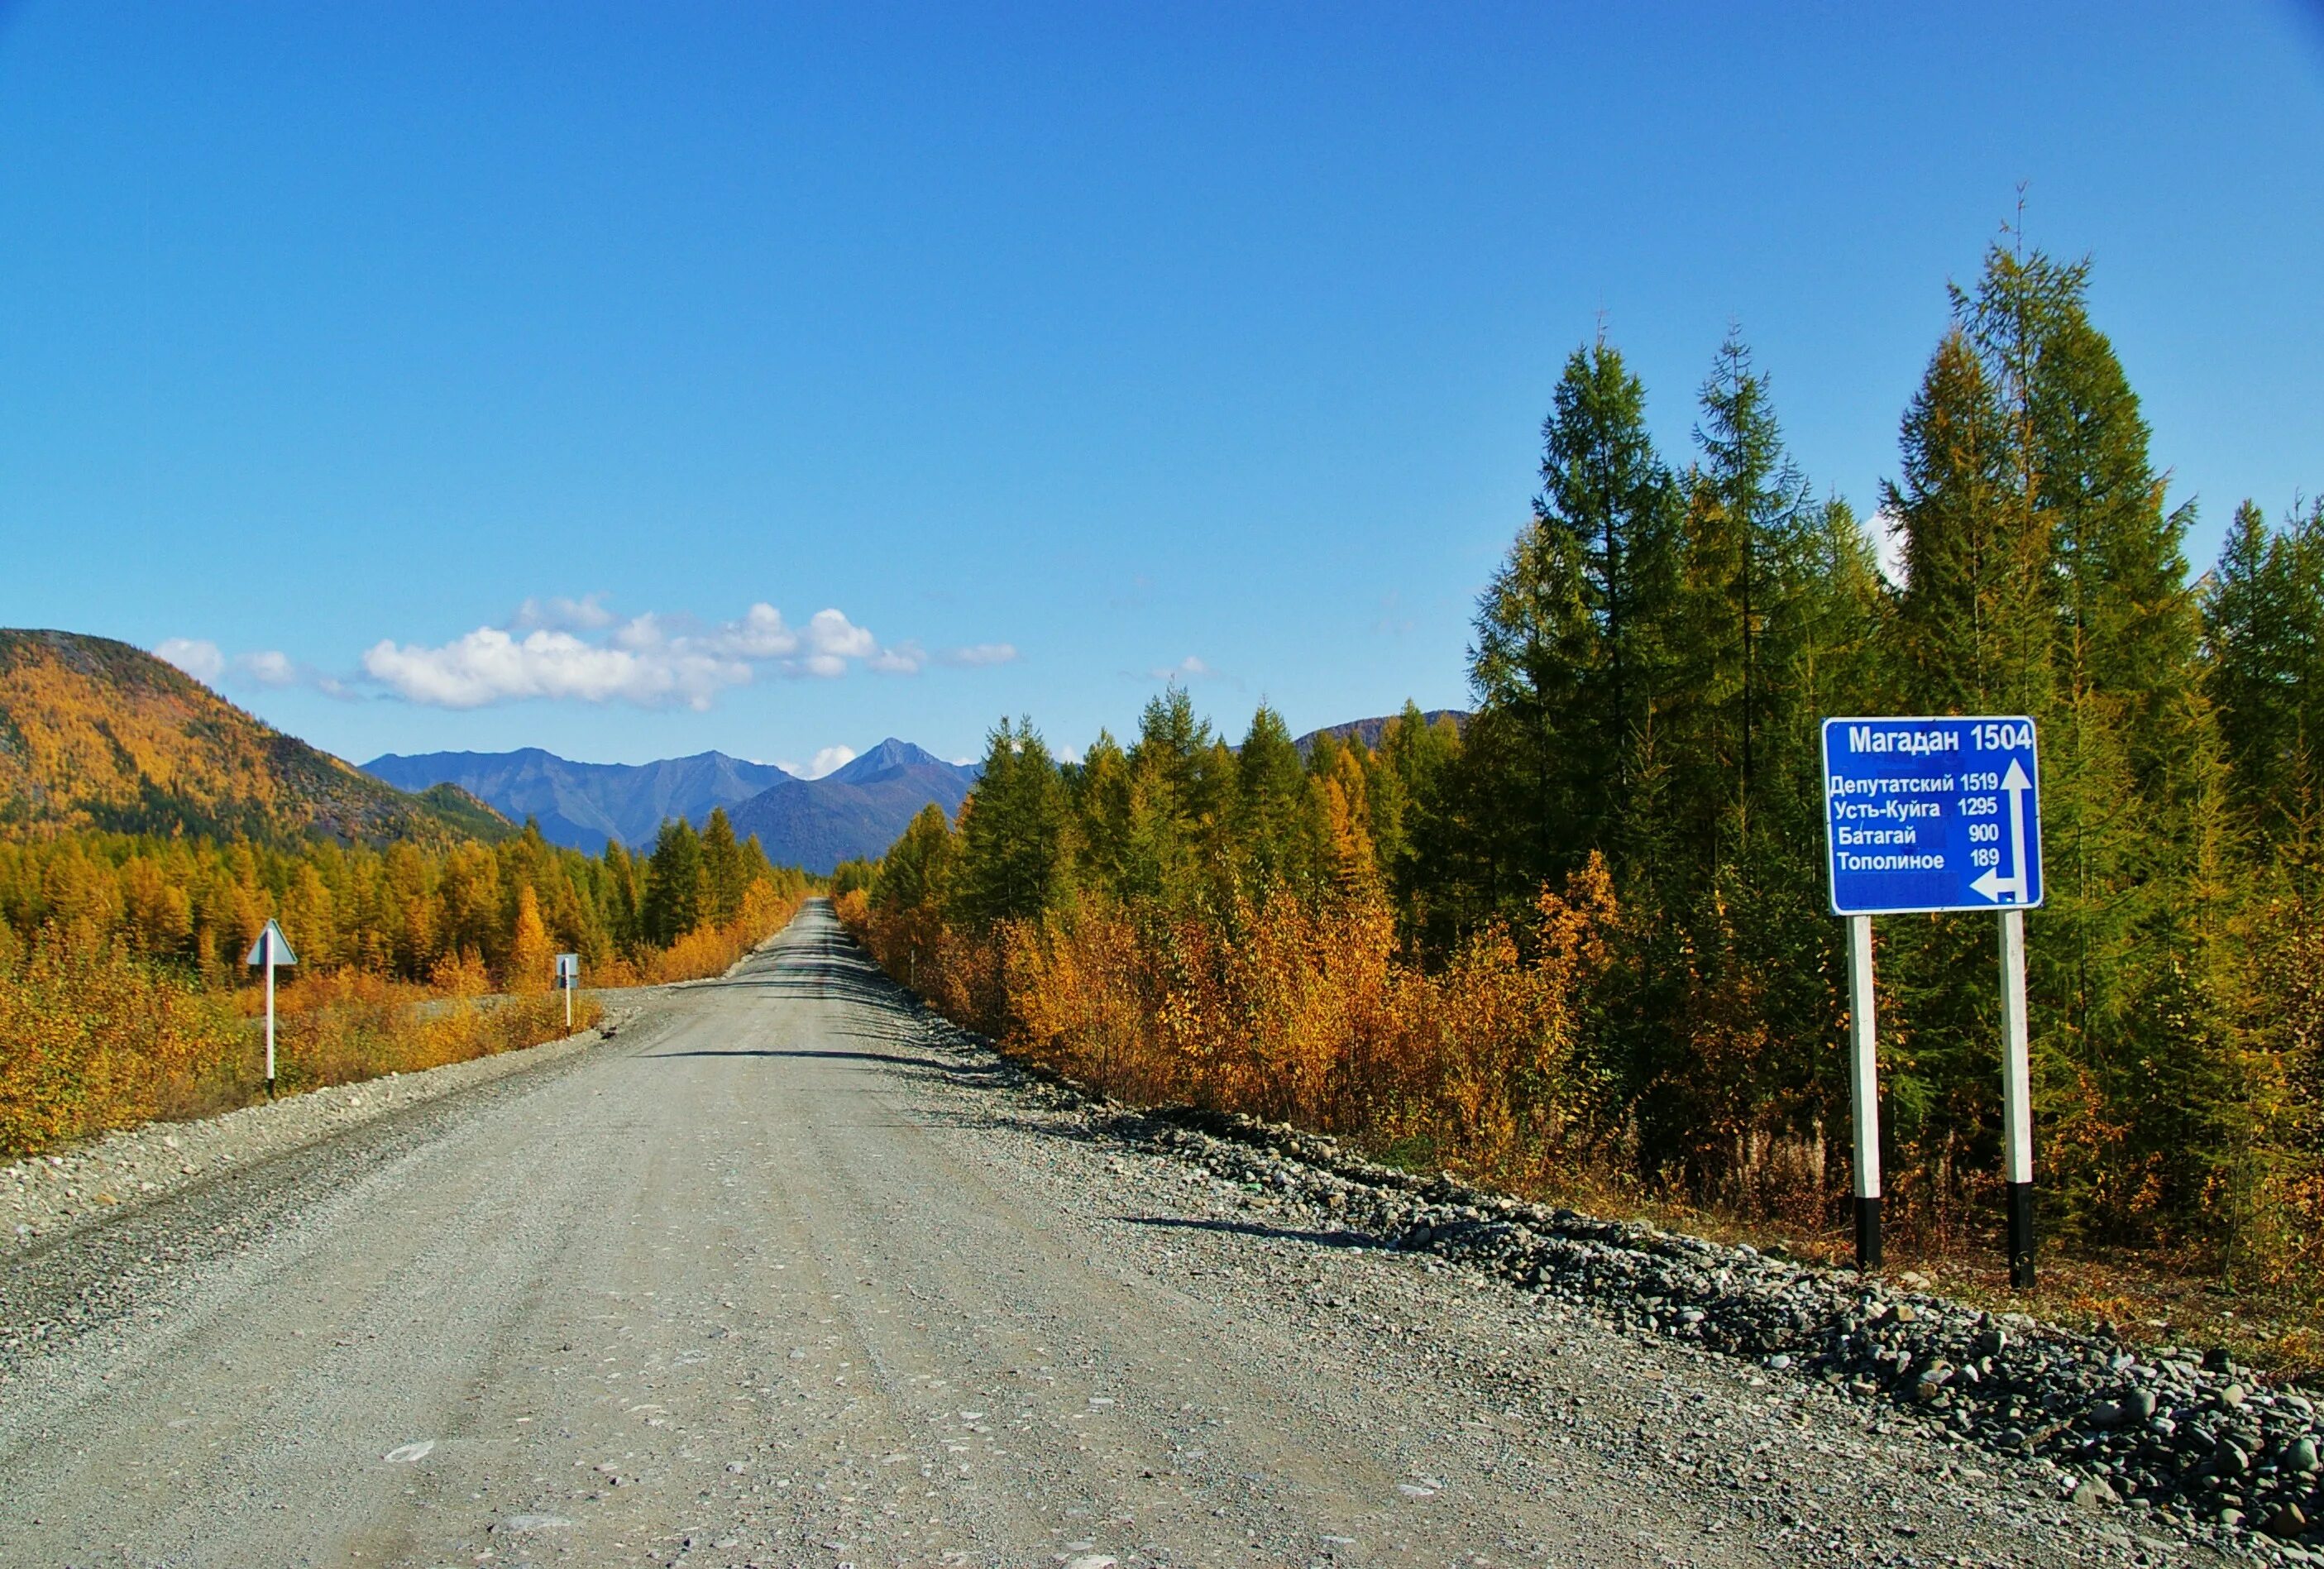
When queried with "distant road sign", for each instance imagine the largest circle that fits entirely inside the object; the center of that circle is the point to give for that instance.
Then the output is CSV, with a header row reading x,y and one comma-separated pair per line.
x,y
1928,815
569,970
272,948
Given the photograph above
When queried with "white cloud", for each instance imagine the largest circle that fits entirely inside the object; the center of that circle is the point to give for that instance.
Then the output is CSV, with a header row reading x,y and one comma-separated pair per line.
x,y
578,649
586,613
904,659
979,654
827,760
205,661
270,667
1886,531
490,665
832,634
1189,669
760,634
197,657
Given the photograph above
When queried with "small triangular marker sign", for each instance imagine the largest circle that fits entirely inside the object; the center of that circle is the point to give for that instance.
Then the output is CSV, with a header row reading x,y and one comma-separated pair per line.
x,y
272,948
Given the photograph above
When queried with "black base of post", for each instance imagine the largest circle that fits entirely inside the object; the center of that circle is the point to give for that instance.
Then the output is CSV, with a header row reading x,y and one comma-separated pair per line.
x,y
1868,1234
269,1089
2021,1235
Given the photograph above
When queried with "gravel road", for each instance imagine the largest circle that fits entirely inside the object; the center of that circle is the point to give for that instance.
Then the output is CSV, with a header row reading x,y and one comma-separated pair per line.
x,y
786,1273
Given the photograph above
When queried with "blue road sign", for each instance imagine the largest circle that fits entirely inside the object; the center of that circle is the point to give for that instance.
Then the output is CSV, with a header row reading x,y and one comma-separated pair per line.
x,y
1928,815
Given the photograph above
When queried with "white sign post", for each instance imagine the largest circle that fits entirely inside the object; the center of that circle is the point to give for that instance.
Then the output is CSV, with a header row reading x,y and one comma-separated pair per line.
x,y
271,949
568,976
2016,1098
1864,1091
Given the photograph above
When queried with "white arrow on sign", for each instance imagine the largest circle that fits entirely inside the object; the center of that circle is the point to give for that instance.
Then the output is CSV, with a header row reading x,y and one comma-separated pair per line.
x,y
1993,885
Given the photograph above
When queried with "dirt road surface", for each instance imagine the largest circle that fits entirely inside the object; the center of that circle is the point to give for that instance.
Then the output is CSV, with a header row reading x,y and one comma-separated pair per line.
x,y
782,1276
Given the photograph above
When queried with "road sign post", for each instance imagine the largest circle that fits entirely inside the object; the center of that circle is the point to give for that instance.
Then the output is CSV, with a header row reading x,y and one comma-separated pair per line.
x,y
271,949
2016,1097
1930,815
1864,1092
568,976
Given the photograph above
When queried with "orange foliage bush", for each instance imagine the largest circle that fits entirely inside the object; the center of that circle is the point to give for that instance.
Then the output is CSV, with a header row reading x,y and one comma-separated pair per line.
x,y
122,997
1296,1011
91,1039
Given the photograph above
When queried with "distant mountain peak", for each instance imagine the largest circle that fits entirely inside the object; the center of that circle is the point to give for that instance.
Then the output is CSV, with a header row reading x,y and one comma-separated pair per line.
x,y
1369,731
885,759
857,809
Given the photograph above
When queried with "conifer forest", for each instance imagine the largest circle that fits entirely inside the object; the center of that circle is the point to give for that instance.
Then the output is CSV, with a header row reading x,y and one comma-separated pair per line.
x,y
124,996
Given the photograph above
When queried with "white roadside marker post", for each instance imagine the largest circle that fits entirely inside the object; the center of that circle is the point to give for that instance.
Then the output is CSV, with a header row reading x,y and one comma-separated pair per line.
x,y
271,949
2017,1100
568,976
1864,1093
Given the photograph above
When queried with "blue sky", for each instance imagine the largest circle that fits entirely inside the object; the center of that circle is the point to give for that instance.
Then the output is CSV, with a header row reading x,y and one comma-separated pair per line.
x,y
415,358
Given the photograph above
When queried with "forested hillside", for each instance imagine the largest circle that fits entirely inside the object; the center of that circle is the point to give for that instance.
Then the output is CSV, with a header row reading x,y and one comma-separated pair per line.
x,y
95,734
1584,944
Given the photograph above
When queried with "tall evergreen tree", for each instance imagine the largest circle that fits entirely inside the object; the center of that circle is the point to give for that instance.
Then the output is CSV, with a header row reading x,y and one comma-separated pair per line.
x,y
1101,793
1568,657
1748,523
1013,850
2263,631
723,871
917,871
673,897
1972,619
1270,818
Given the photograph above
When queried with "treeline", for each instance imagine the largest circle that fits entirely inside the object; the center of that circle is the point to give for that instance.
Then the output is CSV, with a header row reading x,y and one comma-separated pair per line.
x,y
124,996
405,912
1587,939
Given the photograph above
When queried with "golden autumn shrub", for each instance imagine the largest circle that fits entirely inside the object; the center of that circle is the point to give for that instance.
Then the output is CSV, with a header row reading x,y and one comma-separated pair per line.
x,y
123,997
94,1037
1297,1010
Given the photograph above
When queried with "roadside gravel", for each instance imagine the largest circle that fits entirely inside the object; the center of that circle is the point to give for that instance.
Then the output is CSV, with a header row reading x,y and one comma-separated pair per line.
x,y
43,1197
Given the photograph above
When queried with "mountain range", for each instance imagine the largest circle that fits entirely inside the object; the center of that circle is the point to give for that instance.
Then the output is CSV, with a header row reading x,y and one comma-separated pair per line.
x,y
856,810
95,734
99,734
585,804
